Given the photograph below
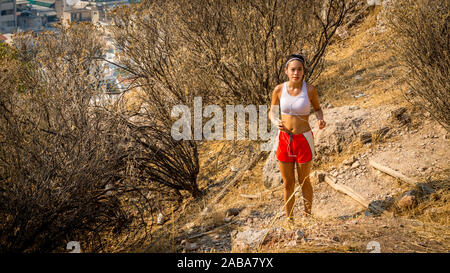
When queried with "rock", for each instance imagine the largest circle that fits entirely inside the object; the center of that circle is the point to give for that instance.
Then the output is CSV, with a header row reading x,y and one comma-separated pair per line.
x,y
318,175
321,177
299,235
398,112
425,188
407,202
401,115
349,161
373,2
368,213
109,187
271,175
232,212
160,219
252,238
248,239
342,33
327,105
365,137
358,77
291,243
190,231
233,169
205,211
355,165
189,246
410,193
342,128
383,131
190,225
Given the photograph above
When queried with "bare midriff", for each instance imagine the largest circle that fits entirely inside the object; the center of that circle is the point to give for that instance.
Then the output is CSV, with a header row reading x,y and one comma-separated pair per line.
x,y
296,124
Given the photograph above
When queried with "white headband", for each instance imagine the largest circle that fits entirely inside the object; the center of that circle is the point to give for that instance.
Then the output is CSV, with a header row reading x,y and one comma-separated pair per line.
x,y
295,58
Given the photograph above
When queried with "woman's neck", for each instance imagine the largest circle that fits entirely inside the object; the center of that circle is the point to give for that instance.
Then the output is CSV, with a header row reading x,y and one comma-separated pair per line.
x,y
295,85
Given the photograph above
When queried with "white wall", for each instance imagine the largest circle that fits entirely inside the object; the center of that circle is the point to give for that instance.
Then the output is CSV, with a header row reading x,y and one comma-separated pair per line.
x,y
8,22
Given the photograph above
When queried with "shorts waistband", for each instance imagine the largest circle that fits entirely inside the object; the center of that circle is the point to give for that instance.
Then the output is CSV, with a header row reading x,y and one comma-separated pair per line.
x,y
290,134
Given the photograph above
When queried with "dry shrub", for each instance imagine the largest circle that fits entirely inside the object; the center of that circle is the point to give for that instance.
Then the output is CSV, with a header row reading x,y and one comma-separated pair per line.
x,y
239,47
63,155
422,42
150,56
224,51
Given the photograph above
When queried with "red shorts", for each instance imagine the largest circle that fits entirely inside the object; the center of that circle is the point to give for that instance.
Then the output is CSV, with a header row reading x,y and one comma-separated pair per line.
x,y
298,148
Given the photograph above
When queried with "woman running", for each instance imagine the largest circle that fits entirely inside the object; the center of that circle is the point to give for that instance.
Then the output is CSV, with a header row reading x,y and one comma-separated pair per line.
x,y
295,139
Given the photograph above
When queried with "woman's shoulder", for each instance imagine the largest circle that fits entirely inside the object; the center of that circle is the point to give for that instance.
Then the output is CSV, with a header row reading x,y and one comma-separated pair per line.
x,y
310,88
278,88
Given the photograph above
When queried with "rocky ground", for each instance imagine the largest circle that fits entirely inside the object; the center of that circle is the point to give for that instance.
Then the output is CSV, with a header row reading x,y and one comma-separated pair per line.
x,y
249,218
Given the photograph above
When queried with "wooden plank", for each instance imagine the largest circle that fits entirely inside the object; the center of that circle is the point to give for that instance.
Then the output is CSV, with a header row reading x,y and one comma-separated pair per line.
x,y
210,231
393,173
251,196
350,192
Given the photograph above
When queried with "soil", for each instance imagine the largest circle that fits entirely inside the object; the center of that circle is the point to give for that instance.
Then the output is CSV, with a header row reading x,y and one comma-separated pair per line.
x,y
339,223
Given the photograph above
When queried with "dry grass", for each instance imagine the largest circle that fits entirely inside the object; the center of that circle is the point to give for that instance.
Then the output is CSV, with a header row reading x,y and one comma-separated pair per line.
x,y
433,208
353,239
365,53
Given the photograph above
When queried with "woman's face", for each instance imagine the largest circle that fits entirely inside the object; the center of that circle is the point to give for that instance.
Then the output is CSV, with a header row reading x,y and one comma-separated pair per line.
x,y
294,71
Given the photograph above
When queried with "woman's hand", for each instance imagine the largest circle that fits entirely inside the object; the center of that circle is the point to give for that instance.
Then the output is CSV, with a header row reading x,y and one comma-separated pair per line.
x,y
322,123
281,126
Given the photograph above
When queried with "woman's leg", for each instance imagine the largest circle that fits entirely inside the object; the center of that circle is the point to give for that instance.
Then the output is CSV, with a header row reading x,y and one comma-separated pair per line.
x,y
307,190
288,174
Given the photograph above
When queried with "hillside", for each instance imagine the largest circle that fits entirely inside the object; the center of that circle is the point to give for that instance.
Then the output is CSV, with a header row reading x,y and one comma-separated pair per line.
x,y
361,85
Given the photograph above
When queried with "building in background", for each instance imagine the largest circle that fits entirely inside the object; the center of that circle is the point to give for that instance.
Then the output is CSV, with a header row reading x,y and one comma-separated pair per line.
x,y
78,11
24,15
35,15
8,17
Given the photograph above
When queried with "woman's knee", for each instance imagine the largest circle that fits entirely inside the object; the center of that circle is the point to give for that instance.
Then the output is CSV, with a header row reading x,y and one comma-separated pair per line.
x,y
289,183
307,184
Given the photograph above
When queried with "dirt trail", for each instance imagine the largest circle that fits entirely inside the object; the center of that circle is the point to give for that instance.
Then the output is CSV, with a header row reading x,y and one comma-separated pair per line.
x,y
339,224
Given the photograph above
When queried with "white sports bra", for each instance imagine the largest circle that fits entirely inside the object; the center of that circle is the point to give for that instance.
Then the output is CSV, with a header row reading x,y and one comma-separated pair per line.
x,y
298,105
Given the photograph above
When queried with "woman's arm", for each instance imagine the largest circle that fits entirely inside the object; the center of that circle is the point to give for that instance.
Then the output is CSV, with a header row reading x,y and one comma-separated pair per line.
x,y
275,109
314,98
